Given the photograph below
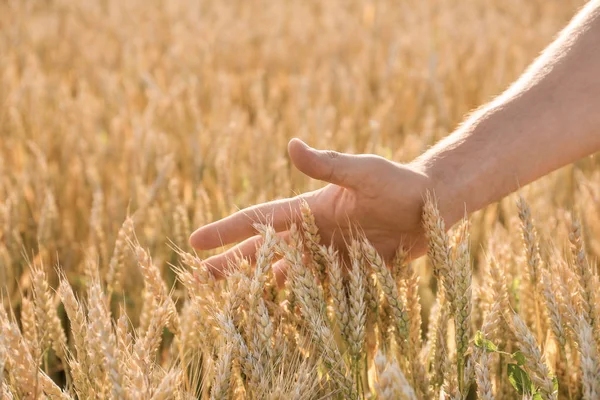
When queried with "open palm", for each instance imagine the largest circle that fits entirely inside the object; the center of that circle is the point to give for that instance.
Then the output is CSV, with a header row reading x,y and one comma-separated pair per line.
x,y
384,199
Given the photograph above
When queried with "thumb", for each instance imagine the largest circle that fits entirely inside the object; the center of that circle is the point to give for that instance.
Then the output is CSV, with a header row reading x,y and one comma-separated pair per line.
x,y
326,165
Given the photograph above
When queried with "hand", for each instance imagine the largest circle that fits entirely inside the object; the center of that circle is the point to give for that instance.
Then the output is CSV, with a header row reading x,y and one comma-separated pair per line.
x,y
384,199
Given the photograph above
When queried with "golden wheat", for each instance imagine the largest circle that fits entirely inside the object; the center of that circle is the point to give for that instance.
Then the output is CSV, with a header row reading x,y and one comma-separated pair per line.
x,y
126,124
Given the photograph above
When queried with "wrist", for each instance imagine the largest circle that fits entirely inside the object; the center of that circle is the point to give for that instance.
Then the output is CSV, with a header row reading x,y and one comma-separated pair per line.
x,y
444,187
466,169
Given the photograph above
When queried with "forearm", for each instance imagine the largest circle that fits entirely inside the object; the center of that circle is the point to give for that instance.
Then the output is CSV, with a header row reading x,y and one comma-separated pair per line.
x,y
549,118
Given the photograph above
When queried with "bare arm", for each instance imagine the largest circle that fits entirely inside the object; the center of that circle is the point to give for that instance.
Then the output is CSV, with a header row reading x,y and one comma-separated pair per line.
x,y
548,118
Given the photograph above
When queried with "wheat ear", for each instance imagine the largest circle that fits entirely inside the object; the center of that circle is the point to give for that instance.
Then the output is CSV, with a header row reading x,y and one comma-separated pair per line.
x,y
589,362
439,250
337,292
390,289
117,260
391,382
156,286
540,374
49,324
221,385
356,304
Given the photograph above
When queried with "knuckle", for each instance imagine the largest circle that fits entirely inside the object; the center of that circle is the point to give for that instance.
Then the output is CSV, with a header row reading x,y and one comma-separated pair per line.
x,y
332,154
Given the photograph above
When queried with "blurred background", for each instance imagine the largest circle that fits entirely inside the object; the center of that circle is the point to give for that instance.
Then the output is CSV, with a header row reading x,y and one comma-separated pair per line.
x,y
179,111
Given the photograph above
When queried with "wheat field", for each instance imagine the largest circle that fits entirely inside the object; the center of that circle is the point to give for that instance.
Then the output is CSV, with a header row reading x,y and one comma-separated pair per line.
x,y
124,125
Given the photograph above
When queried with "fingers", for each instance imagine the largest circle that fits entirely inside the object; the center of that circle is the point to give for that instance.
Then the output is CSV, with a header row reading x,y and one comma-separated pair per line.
x,y
338,168
239,226
219,265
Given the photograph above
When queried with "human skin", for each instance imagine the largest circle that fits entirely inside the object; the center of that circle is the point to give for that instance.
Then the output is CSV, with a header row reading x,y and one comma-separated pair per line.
x,y
548,118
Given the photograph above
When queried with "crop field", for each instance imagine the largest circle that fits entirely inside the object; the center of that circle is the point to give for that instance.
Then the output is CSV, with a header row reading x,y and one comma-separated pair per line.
x,y
125,125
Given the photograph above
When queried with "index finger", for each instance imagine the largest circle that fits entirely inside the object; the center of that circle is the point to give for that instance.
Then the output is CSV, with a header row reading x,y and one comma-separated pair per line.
x,y
240,225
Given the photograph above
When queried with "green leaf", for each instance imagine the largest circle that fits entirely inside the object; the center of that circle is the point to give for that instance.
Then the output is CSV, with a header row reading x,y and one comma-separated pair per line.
x,y
484,343
537,396
519,379
519,358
